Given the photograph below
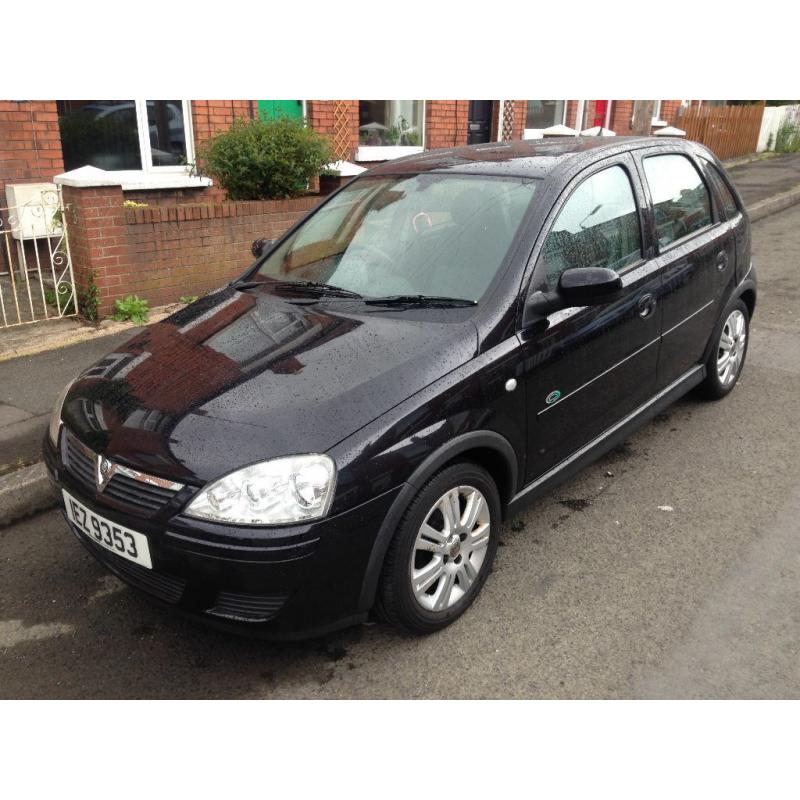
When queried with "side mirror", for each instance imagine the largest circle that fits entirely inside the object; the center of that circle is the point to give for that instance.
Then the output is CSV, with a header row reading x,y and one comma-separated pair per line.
x,y
580,286
589,286
259,246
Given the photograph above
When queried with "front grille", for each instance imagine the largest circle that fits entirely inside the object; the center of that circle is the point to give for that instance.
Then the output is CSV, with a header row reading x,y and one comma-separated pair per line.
x,y
165,587
249,607
134,492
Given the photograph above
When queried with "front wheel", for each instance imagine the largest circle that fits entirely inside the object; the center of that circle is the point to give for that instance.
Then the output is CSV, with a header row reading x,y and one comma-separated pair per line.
x,y
726,360
442,551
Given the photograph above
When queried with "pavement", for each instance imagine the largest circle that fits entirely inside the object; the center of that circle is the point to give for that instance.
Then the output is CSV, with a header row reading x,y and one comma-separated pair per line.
x,y
28,389
596,592
758,180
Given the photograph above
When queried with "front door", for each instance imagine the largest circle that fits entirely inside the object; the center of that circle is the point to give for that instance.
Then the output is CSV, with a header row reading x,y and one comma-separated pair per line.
x,y
479,122
593,365
272,109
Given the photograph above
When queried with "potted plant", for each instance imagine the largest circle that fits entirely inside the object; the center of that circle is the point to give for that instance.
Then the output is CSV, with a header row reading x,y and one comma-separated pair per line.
x,y
329,180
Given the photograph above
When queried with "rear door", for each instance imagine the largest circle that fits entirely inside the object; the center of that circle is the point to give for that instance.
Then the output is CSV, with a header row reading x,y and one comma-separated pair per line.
x,y
692,252
595,364
732,219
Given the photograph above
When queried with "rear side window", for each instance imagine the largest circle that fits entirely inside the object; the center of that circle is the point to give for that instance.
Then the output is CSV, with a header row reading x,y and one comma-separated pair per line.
x,y
597,227
680,198
725,194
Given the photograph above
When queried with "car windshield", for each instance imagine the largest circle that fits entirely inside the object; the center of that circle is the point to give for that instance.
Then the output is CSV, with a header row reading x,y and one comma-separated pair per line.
x,y
425,234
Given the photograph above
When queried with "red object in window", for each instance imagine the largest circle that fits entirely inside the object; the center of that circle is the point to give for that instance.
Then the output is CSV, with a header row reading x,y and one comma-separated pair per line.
x,y
600,108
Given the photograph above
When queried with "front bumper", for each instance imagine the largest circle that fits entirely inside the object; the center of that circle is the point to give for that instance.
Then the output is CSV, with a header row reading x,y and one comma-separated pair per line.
x,y
277,582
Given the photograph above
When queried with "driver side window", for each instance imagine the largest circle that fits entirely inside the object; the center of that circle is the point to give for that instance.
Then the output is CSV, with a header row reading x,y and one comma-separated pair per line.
x,y
597,227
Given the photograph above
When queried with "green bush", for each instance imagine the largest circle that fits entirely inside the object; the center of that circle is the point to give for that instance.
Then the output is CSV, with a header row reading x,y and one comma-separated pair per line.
x,y
133,308
788,138
262,160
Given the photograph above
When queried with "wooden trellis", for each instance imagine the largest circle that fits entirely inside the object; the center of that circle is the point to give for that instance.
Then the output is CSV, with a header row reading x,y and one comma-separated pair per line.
x,y
341,131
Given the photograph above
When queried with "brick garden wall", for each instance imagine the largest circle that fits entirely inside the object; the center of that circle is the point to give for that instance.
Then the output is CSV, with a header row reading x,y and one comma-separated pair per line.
x,y
164,252
190,249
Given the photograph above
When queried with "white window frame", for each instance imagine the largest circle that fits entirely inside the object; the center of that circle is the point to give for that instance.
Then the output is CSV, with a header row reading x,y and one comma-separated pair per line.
x,y
148,177
367,152
144,139
536,133
657,122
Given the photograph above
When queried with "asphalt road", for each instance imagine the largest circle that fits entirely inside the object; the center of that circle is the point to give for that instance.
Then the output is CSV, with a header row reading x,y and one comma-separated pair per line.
x,y
595,593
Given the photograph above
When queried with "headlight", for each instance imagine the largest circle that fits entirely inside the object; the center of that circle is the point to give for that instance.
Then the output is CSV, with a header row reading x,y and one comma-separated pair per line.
x,y
292,489
55,415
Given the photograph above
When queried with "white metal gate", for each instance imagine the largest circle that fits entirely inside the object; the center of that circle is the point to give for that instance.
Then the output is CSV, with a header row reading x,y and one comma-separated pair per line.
x,y
36,279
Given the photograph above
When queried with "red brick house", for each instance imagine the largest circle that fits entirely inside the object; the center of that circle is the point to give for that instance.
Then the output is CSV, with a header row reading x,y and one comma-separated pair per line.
x,y
188,239
156,138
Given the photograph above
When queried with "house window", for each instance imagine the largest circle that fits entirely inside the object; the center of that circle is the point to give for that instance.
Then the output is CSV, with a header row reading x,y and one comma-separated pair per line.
x,y
545,113
390,128
146,135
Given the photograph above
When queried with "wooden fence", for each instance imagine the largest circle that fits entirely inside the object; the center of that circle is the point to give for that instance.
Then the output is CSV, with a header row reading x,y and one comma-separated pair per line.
x,y
729,131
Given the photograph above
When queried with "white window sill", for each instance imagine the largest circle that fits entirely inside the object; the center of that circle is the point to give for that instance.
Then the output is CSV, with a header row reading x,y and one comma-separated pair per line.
x,y
386,153
130,180
658,123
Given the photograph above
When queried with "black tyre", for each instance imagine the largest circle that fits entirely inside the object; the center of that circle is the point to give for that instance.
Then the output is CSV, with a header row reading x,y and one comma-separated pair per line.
x,y
442,551
726,360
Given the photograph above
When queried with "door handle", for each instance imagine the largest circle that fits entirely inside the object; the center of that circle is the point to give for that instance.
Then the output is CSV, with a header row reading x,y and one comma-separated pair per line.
x,y
722,261
646,305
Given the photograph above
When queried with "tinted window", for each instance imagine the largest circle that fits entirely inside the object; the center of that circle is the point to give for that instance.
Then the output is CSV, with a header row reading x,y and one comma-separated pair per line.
x,y
680,198
597,227
728,200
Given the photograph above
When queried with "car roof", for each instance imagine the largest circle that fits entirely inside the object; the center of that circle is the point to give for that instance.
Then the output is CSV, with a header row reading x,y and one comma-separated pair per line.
x,y
531,158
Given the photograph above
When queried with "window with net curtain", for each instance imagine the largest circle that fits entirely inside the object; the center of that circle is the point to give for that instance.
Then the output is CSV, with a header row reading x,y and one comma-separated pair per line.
x,y
544,113
383,123
107,133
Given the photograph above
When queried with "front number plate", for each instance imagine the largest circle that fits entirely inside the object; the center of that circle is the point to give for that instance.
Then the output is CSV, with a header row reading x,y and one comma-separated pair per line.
x,y
122,541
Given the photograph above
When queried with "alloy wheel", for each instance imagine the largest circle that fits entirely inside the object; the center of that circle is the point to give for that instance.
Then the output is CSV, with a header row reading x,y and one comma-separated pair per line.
x,y
450,548
731,347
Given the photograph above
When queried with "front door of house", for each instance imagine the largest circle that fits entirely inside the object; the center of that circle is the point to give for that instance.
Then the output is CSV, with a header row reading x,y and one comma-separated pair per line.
x,y
272,109
479,122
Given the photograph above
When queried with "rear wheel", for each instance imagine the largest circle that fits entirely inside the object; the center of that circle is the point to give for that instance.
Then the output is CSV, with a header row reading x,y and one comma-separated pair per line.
x,y
726,360
442,551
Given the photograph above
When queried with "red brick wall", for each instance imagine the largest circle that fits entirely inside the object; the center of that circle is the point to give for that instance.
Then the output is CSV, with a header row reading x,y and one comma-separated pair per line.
x,y
186,250
164,252
210,117
520,111
171,197
30,144
622,113
446,123
97,237
322,119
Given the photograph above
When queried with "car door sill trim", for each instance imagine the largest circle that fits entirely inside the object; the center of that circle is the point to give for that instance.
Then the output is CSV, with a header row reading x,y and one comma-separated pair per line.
x,y
609,438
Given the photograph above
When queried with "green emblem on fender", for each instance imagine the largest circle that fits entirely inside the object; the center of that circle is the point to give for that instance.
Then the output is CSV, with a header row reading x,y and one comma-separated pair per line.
x,y
552,397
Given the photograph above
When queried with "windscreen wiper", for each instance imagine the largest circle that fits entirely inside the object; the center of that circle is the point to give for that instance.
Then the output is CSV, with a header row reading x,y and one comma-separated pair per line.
x,y
425,300
246,284
316,287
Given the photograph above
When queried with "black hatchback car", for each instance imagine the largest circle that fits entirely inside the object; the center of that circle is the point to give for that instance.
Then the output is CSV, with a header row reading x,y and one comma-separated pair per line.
x,y
344,428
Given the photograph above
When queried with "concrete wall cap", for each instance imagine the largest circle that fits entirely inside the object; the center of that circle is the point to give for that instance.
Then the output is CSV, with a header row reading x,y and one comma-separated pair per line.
x,y
130,180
